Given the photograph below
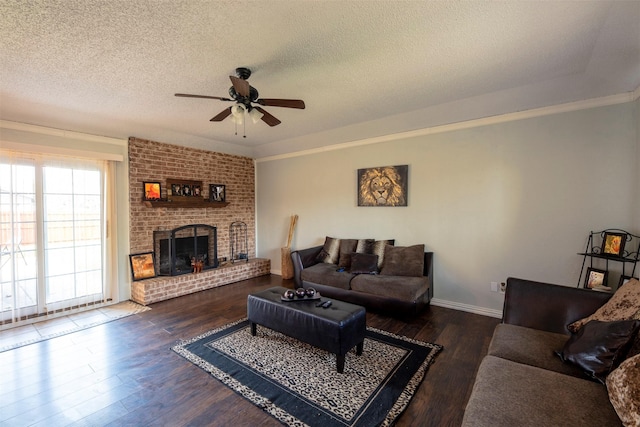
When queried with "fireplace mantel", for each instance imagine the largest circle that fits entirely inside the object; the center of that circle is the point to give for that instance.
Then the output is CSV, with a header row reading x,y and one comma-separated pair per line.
x,y
195,203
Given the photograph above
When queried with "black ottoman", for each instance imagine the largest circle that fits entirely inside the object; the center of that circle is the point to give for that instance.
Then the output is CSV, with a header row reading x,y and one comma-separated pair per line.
x,y
336,329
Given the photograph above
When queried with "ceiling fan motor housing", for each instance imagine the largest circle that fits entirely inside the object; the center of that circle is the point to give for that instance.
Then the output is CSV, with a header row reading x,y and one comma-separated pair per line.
x,y
246,100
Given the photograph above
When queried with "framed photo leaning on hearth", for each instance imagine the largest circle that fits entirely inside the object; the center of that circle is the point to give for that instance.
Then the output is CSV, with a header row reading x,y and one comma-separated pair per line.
x,y
596,278
217,193
142,265
151,190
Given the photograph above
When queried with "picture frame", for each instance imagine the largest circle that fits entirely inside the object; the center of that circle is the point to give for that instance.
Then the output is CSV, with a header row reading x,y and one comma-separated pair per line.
x,y
613,243
142,265
151,190
217,193
624,279
176,190
383,186
595,278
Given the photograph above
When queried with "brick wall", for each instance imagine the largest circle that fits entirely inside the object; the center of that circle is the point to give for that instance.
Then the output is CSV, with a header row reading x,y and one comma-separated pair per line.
x,y
155,161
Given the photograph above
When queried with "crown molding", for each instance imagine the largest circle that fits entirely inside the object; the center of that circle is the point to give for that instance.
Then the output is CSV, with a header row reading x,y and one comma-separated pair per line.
x,y
24,127
485,121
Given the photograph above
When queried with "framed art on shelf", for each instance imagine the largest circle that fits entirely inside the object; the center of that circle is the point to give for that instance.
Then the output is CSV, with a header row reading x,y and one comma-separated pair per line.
x,y
142,265
217,193
613,243
152,190
595,278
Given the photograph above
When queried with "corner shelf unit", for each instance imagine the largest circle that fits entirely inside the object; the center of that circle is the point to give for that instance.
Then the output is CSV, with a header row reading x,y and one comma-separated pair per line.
x,y
594,250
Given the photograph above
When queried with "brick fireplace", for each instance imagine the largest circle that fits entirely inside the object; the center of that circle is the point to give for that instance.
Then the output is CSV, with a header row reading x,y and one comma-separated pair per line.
x,y
155,161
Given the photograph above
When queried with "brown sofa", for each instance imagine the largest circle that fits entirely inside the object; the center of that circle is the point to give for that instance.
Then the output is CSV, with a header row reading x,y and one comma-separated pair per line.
x,y
401,293
522,381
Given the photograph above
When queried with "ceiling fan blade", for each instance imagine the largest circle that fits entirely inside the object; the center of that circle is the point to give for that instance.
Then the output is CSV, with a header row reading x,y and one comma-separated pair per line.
x,y
288,103
241,86
186,95
222,115
268,118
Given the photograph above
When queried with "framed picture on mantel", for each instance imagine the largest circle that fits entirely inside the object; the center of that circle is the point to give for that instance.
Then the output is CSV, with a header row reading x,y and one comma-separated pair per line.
x,y
152,190
217,193
184,190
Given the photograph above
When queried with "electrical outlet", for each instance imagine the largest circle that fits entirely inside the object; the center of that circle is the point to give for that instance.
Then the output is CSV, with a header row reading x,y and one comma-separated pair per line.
x,y
494,286
503,287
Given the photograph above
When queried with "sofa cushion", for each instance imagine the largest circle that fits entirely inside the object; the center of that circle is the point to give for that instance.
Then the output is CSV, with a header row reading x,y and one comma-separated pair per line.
x,y
364,263
623,305
330,251
397,287
403,260
531,347
507,394
599,347
623,385
347,247
326,274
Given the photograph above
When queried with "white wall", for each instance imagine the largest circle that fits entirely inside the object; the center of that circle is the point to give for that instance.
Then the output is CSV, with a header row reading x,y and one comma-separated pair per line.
x,y
510,199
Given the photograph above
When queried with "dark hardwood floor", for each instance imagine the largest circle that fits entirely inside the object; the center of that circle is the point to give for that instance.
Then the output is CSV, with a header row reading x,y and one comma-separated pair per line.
x,y
123,373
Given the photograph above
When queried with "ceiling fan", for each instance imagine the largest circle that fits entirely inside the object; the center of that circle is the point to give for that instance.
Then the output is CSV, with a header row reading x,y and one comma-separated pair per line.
x,y
244,95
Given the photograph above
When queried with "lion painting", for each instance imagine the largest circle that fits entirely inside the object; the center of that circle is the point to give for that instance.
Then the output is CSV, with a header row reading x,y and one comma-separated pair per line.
x,y
383,186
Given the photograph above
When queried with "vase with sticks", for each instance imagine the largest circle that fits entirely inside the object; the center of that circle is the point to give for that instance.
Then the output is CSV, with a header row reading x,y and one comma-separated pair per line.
x,y
287,265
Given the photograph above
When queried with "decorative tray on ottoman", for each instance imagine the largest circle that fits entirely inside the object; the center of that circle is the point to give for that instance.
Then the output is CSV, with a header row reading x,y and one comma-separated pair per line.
x,y
301,295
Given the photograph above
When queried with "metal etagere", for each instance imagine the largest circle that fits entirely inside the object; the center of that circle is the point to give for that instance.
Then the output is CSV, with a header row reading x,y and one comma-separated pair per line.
x,y
598,247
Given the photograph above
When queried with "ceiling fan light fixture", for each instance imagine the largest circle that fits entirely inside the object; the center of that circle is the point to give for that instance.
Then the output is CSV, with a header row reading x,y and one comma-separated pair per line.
x,y
255,115
237,111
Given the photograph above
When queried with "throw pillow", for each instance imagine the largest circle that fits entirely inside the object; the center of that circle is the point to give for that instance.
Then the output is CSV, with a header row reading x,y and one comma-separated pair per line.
x,y
330,251
599,347
364,263
347,247
403,261
365,246
378,249
623,386
623,305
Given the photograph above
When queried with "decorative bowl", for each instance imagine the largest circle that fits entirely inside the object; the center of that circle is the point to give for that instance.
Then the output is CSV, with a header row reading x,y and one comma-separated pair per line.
x,y
301,293
311,292
289,294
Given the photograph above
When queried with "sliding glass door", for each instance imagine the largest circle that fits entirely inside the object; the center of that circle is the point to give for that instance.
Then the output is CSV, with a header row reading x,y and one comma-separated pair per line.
x,y
52,230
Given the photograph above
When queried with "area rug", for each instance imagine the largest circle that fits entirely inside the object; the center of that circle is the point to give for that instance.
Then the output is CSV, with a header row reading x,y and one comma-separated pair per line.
x,y
298,383
11,338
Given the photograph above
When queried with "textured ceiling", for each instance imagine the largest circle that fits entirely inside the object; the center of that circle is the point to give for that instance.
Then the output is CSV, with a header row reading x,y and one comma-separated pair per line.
x,y
364,68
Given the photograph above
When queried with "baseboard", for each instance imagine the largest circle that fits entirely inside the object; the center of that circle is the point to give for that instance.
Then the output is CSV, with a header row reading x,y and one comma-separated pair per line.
x,y
468,308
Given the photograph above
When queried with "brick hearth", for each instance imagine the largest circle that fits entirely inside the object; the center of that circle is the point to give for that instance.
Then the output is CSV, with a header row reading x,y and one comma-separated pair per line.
x,y
161,288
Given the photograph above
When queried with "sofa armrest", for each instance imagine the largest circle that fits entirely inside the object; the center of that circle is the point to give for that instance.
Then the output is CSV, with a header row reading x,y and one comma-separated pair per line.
x,y
301,259
548,307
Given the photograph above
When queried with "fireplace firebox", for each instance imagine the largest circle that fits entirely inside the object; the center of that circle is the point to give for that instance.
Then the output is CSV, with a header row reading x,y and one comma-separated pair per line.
x,y
179,249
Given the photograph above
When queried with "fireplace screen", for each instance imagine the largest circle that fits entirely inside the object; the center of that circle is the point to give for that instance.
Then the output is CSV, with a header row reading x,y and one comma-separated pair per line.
x,y
179,249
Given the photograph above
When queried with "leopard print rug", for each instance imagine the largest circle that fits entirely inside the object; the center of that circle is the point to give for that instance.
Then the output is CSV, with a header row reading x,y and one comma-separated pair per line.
x,y
298,383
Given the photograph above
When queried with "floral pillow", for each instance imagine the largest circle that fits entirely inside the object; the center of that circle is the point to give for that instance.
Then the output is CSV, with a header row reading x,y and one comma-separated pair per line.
x,y
623,305
623,385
